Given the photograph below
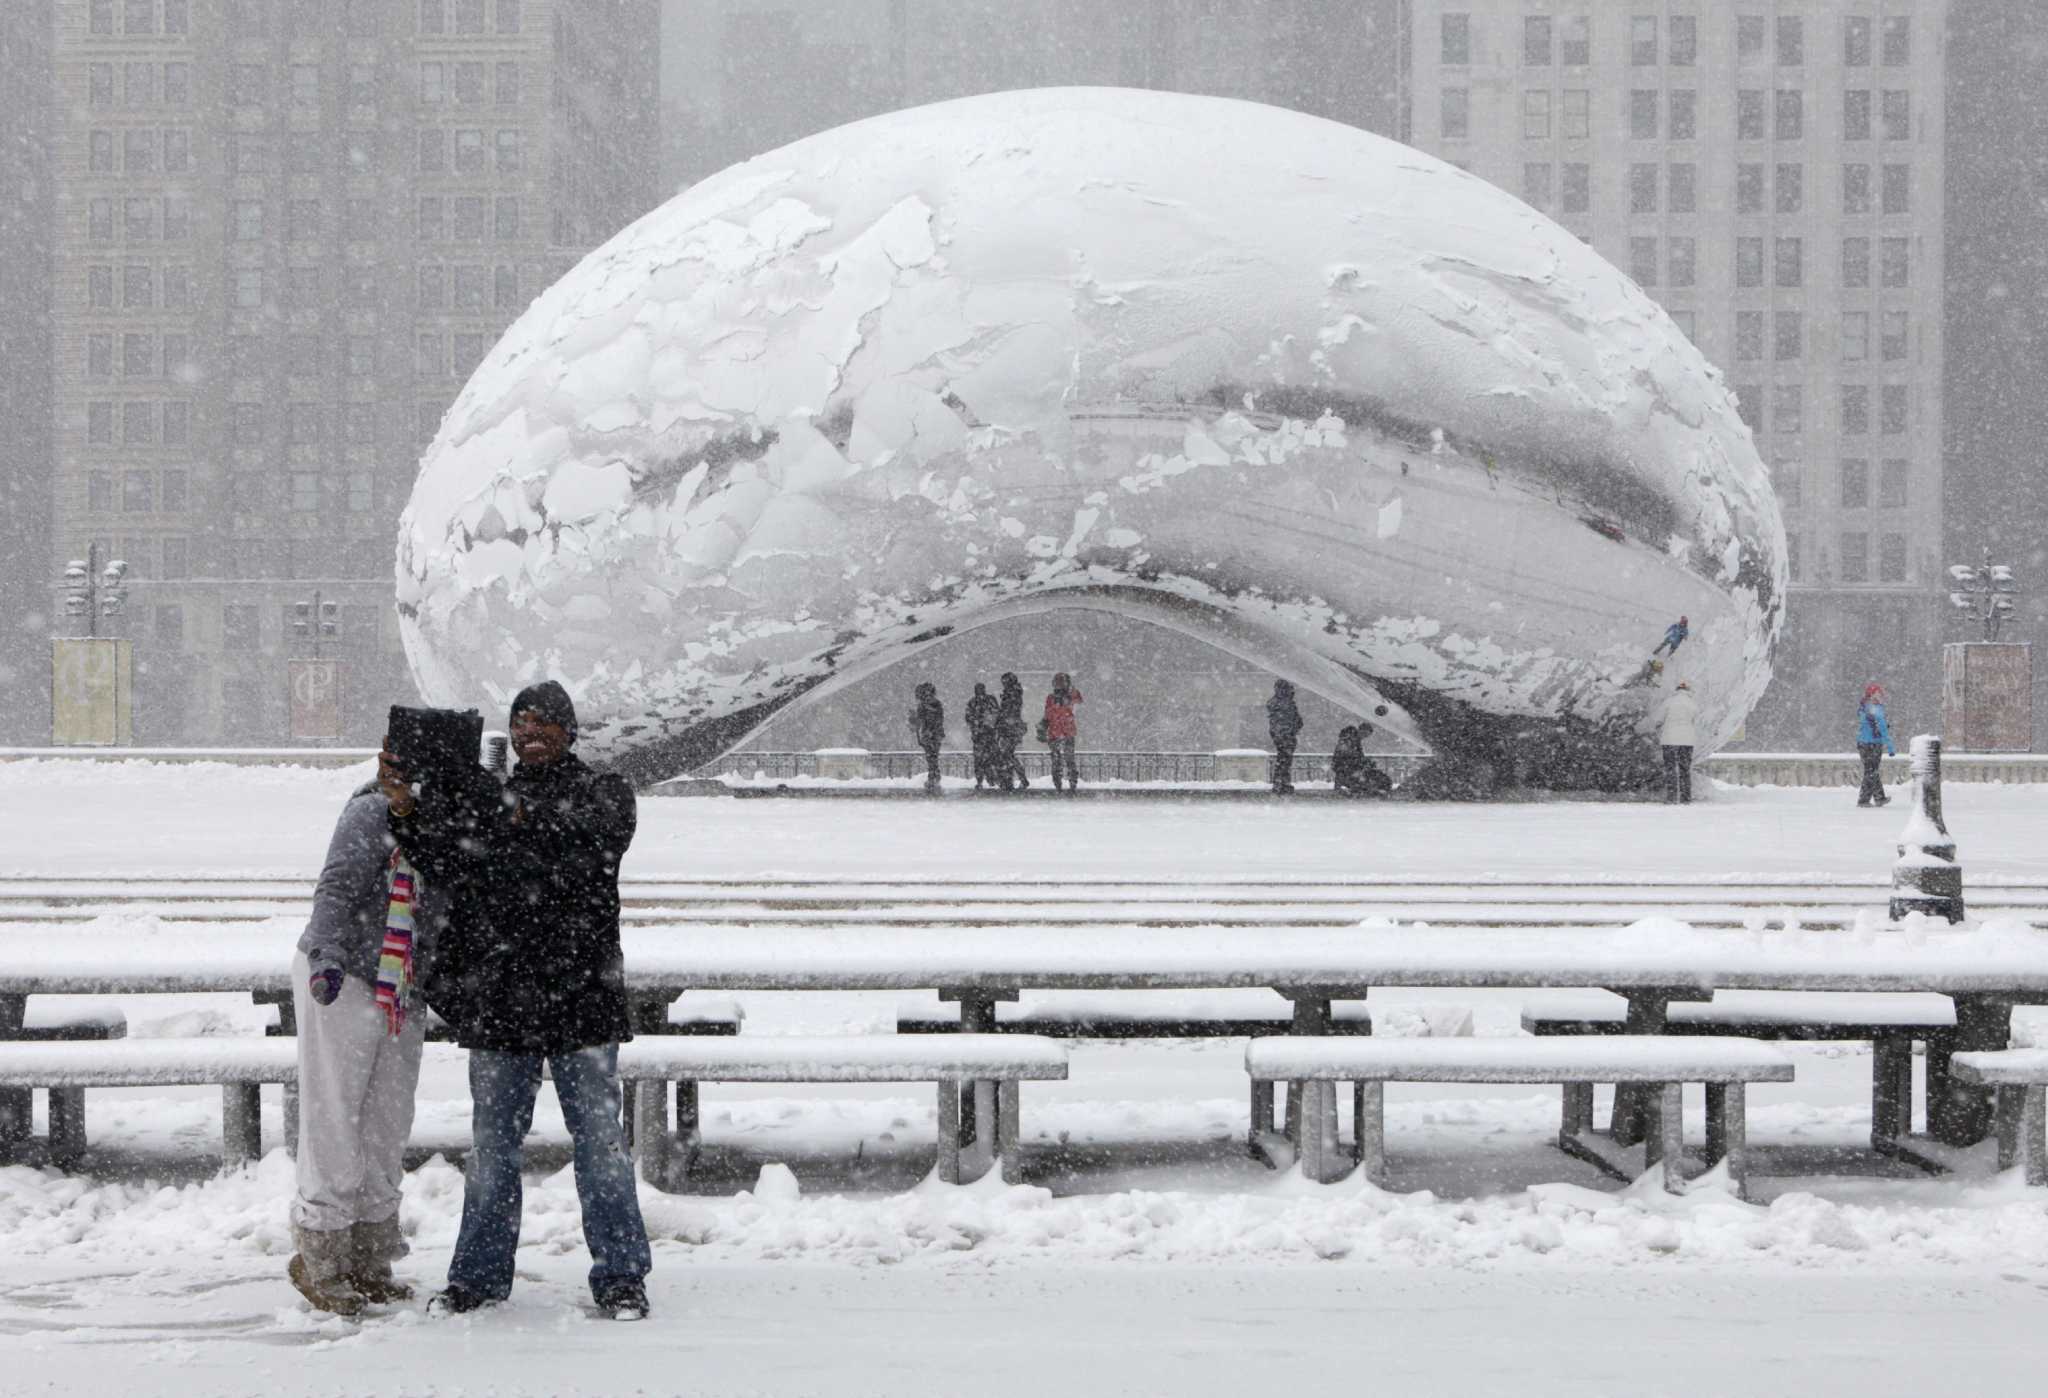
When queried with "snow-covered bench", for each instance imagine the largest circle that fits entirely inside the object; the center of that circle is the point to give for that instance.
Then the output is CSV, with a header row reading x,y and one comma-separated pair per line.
x,y
2020,1078
1892,1022
1725,1065
58,1019
988,1065
239,1066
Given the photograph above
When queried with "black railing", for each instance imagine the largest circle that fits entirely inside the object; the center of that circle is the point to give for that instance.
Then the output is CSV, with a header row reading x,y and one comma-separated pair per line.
x,y
1177,767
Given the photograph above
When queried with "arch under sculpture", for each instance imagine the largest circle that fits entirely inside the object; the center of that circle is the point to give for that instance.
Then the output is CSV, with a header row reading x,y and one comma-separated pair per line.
x,y
1330,404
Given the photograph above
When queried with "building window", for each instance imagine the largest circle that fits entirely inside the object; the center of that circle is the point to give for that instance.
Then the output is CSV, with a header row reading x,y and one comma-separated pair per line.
x,y
302,423
508,16
469,152
246,84
100,19
1749,262
469,218
1791,41
505,217
138,83
1642,114
511,151
1684,189
138,150
1642,260
1536,184
1855,337
99,356
99,288
305,85
359,220
1892,413
177,85
432,288
138,493
177,287
469,84
1576,47
302,220
1536,41
1456,40
1749,188
508,85
431,227
429,359
1855,557
245,424
469,16
1856,41
100,153
1855,410
248,221
1896,263
177,151
1685,115
99,492
138,285
138,219
1898,41
1642,189
174,493
1455,115
1892,337
177,564
302,356
1788,337
1684,262
1898,187
359,424
1791,262
177,428
238,630
469,352
177,218
1788,409
1577,107
1790,188
99,220
1749,336
1749,38
1891,558
433,17
1642,41
1856,114
1685,41
472,285
1749,114
433,152
1855,262
362,85
99,424
138,356
1791,115
1576,190
433,84
1891,486
248,155
138,424
1785,477
1749,406
1855,189
1854,477
1792,556
361,356
305,492
302,286
249,288
1897,114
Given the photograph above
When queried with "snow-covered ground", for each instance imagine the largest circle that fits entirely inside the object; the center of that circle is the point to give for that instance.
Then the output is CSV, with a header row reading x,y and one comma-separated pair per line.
x,y
1146,1253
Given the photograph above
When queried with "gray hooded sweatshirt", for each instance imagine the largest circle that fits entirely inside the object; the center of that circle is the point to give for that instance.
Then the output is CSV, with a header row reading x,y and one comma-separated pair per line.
x,y
354,895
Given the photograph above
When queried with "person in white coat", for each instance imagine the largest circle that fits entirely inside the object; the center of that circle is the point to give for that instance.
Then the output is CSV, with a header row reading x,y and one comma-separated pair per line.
x,y
1679,733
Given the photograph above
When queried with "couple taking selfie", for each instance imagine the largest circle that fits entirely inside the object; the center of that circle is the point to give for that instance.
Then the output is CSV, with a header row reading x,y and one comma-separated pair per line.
x,y
497,904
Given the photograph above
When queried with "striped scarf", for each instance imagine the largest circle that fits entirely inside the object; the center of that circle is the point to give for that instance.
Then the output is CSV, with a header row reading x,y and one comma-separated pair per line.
x,y
394,963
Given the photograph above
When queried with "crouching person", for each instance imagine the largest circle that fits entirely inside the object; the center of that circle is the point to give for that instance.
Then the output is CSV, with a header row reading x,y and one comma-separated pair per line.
x,y
360,1027
541,982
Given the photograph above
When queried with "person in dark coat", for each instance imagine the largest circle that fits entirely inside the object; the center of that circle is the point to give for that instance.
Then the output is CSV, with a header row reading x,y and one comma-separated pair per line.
x,y
1283,724
1873,731
1010,731
928,726
1351,772
535,977
982,712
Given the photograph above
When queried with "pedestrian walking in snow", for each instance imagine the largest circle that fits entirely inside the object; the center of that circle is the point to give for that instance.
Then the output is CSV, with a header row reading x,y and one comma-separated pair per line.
x,y
928,726
1678,735
1010,731
982,712
356,982
540,981
1873,733
1283,725
1061,732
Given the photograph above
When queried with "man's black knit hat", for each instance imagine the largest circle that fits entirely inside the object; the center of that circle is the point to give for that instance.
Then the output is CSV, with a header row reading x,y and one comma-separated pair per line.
x,y
547,701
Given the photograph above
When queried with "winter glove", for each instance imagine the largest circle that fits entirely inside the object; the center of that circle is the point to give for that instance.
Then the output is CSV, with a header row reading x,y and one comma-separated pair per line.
x,y
326,985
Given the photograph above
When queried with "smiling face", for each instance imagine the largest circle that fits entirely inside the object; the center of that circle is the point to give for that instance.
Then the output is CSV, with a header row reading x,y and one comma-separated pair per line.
x,y
537,741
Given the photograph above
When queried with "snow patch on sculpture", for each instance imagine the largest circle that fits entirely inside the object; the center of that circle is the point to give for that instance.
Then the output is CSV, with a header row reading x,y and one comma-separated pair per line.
x,y
1350,413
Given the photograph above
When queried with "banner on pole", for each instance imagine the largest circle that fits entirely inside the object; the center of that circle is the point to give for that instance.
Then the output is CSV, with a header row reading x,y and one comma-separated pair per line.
x,y
315,699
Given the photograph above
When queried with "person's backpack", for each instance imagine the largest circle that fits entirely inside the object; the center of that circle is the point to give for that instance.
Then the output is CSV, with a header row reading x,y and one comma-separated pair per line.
x,y
1045,730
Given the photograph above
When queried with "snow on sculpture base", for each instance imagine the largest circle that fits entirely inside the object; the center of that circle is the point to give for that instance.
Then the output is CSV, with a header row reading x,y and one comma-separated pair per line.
x,y
1330,404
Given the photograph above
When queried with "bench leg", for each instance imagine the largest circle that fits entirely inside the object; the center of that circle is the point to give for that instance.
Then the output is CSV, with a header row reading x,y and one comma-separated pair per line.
x,y
2010,1108
1728,1132
1009,1130
67,1125
1321,1160
241,1123
1664,1133
689,1127
1578,1111
2033,1147
1262,1113
1369,1126
650,1132
949,1132
17,1115
1717,1122
1891,1090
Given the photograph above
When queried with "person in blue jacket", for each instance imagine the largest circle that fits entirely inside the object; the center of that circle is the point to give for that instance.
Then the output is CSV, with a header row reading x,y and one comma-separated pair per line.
x,y
1872,733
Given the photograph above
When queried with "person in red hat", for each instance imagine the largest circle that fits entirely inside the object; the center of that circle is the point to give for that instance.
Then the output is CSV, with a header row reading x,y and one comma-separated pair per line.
x,y
1872,733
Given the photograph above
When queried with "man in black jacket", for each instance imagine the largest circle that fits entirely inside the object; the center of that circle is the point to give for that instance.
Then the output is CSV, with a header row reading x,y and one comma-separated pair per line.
x,y
1283,725
538,978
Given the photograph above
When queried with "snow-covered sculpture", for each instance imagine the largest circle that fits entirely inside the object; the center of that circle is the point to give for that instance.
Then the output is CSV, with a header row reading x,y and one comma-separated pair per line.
x,y
1322,400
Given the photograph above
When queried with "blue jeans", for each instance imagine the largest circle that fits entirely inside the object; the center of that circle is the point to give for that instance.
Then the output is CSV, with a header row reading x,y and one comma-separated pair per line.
x,y
502,1087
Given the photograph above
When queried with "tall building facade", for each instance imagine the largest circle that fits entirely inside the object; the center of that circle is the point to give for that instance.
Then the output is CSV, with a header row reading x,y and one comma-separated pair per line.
x,y
287,231
1773,174
26,231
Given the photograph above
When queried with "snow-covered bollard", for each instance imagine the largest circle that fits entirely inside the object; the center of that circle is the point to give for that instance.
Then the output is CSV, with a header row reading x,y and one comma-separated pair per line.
x,y
1927,878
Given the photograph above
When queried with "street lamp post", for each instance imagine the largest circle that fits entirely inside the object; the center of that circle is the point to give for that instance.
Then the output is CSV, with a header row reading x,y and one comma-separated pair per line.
x,y
1988,592
316,620
93,592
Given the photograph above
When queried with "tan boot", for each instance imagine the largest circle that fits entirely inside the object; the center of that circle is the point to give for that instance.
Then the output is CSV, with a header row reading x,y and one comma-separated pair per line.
x,y
320,1270
372,1249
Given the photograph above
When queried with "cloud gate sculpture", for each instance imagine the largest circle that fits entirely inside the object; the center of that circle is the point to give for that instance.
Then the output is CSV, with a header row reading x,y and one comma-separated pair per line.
x,y
1328,403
